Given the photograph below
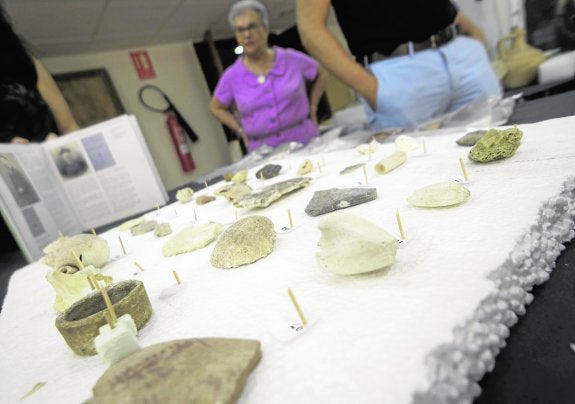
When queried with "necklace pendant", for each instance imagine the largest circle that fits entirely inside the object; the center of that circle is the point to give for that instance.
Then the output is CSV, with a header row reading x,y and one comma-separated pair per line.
x,y
261,79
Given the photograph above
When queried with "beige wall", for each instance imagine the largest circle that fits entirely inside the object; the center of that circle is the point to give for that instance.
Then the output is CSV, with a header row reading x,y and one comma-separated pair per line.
x,y
178,74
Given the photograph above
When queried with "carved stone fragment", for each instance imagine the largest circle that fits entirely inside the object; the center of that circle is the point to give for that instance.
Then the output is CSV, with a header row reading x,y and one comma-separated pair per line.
x,y
233,192
90,250
203,199
469,139
163,230
192,238
246,241
351,169
144,227
333,199
272,193
352,245
185,195
206,370
268,171
240,177
128,224
439,195
496,145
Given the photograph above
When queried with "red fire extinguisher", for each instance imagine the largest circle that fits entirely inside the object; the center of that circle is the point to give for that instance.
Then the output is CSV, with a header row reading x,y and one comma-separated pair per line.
x,y
182,147
176,124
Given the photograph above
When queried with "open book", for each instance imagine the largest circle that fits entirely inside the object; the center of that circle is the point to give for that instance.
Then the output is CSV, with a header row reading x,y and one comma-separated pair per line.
x,y
77,182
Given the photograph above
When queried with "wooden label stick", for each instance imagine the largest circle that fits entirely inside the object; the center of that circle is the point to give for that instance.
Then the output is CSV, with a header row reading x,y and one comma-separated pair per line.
x,y
290,219
139,266
110,307
60,234
94,231
93,280
195,216
319,167
463,169
401,231
92,286
78,260
364,174
262,176
297,308
206,184
122,244
158,207
177,277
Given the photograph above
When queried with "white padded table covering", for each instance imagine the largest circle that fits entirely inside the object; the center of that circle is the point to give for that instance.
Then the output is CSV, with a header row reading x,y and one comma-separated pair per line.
x,y
374,338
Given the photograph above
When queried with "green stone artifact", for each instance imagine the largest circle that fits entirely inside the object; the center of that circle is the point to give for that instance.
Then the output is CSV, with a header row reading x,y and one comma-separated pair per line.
x,y
80,323
496,145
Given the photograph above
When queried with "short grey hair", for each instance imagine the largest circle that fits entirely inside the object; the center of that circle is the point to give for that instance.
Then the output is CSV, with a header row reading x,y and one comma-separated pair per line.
x,y
242,6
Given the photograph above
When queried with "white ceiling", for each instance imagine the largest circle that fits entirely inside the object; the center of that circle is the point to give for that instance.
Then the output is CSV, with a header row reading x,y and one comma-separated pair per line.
x,y
59,27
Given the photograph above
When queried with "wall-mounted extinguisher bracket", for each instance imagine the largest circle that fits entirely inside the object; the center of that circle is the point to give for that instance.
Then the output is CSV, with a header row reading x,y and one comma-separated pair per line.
x,y
154,99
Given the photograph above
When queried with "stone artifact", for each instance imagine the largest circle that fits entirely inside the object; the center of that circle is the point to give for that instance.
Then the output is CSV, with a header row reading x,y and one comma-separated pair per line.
x,y
305,167
240,177
390,162
144,227
351,169
268,171
469,139
203,199
333,199
366,148
228,176
114,344
233,192
90,250
439,195
352,245
163,230
185,195
496,145
71,287
244,242
521,59
207,370
272,193
405,143
80,323
192,238
127,225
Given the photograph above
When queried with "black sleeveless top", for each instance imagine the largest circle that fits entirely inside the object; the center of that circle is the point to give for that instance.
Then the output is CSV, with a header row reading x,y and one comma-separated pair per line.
x,y
23,111
381,25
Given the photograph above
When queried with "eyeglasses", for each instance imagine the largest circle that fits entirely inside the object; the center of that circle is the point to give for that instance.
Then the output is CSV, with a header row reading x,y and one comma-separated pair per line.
x,y
251,28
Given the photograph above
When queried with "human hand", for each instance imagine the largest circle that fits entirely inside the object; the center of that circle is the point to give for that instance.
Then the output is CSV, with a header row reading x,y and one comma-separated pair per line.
x,y
51,136
19,140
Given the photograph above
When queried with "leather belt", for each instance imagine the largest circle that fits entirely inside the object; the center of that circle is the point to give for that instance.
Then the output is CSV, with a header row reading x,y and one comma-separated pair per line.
x,y
272,134
436,40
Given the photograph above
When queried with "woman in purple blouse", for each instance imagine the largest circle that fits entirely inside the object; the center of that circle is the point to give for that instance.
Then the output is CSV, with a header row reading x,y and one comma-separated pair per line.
x,y
267,85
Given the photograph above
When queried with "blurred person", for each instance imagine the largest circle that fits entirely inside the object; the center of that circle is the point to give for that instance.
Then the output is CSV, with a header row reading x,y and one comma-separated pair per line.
x,y
267,85
32,107
421,58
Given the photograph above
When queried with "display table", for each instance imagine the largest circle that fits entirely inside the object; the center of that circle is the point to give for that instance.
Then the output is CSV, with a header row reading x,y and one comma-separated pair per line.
x,y
424,330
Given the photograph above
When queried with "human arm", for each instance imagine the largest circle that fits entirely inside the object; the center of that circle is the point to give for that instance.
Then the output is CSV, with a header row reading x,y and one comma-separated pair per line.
x,y
317,89
467,27
55,100
322,44
224,114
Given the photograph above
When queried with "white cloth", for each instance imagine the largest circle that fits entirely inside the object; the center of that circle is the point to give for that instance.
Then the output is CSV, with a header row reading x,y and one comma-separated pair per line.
x,y
375,338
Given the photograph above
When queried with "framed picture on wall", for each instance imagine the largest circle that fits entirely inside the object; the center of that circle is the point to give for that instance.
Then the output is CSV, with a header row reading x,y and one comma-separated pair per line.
x,y
91,95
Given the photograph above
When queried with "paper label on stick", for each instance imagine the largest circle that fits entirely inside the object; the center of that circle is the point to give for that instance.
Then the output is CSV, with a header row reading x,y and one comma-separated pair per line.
x,y
287,332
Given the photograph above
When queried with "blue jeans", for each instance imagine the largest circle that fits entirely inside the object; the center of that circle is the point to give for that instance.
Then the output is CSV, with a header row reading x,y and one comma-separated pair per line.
x,y
414,88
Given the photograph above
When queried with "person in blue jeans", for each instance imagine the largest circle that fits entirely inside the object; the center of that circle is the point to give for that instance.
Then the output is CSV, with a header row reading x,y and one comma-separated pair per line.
x,y
414,59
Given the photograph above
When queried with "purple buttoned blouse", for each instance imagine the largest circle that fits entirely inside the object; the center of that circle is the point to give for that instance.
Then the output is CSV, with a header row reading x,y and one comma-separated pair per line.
x,y
276,110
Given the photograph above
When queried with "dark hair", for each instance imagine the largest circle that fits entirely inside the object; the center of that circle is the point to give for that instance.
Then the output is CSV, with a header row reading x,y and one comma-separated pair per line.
x,y
15,56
